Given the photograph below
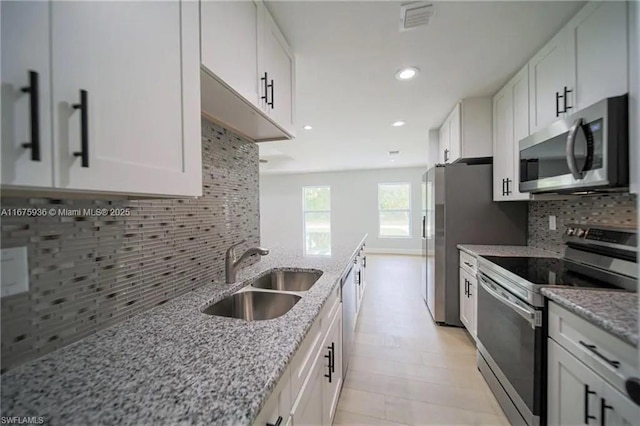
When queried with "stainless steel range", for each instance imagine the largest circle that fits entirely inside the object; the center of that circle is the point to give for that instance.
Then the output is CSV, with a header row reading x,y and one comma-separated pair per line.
x,y
511,314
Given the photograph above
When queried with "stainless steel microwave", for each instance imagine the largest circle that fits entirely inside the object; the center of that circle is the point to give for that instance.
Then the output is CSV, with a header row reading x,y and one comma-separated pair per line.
x,y
586,151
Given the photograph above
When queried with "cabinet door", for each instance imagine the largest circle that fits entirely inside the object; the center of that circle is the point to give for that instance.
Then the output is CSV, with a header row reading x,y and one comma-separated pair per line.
x,y
502,142
472,303
25,63
331,390
549,73
445,154
230,44
601,64
617,408
455,135
139,63
464,300
279,65
573,392
307,408
520,120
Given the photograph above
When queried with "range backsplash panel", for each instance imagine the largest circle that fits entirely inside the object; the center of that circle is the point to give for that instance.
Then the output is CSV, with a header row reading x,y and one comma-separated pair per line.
x,y
87,273
611,209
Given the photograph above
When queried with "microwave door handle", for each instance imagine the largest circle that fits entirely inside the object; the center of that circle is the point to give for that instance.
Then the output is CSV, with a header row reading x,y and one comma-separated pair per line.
x,y
570,150
527,314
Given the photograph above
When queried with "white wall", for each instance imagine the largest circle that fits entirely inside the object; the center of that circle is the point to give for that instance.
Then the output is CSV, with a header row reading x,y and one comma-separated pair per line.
x,y
354,206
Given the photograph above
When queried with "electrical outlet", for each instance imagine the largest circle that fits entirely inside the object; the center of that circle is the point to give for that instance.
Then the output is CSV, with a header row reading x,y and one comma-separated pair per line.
x,y
552,223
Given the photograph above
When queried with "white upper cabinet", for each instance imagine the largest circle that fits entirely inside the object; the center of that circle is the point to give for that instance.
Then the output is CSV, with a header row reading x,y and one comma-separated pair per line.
x,y
248,70
510,125
277,73
599,33
584,63
126,116
26,94
466,132
550,82
229,36
122,112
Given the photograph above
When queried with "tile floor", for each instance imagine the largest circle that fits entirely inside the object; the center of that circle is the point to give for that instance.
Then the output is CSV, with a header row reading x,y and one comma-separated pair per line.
x,y
404,369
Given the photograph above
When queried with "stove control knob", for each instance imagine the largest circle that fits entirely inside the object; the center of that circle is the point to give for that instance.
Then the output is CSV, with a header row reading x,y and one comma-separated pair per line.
x,y
580,232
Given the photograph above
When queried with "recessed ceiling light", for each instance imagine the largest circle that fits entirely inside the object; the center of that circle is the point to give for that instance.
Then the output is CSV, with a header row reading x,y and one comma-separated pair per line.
x,y
394,152
307,127
398,124
407,73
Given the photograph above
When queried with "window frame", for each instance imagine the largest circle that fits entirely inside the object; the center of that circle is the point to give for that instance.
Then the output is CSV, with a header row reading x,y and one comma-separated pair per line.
x,y
304,219
409,211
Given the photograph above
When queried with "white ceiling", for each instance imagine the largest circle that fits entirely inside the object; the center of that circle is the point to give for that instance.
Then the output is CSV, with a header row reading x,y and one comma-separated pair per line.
x,y
347,54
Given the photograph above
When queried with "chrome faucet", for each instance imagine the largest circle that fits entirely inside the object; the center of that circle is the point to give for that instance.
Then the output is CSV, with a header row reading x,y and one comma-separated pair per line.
x,y
231,264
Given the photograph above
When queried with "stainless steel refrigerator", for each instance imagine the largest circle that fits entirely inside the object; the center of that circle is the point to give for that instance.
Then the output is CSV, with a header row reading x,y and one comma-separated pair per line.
x,y
460,210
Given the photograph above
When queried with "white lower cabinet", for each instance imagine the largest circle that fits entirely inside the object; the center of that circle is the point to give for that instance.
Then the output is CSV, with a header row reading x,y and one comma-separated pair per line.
x,y
577,395
309,391
332,385
587,368
468,301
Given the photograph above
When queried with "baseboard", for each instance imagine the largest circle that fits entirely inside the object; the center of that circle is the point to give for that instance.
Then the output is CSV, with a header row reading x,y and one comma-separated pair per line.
x,y
410,252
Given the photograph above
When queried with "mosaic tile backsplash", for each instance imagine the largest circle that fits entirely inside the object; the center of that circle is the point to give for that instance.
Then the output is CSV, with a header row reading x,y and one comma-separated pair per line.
x,y
612,209
88,273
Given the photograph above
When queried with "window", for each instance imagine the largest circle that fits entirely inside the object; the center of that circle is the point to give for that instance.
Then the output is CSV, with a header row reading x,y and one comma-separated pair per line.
x,y
394,209
316,202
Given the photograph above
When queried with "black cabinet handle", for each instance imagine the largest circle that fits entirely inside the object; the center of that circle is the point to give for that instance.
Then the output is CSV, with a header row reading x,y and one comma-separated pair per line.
x,y
558,96
466,289
332,348
330,367
594,350
446,155
34,113
469,289
587,416
277,423
83,106
508,184
364,261
468,264
603,411
566,92
266,88
504,190
271,87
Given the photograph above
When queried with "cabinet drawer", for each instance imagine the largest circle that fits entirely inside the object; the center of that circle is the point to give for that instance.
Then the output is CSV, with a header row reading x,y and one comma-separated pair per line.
x,y
468,263
305,356
607,355
330,306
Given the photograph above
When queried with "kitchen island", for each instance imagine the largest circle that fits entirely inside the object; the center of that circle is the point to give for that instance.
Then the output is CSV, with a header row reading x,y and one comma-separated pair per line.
x,y
174,364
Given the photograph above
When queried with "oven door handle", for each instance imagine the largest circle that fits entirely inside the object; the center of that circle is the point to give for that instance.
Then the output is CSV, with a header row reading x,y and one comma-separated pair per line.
x,y
528,314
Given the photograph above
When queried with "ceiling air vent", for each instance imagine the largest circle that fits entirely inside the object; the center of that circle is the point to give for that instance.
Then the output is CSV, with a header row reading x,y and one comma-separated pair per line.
x,y
415,14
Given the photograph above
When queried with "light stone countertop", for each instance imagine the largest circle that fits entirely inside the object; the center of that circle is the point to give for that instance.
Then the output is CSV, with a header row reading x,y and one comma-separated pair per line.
x,y
612,310
173,364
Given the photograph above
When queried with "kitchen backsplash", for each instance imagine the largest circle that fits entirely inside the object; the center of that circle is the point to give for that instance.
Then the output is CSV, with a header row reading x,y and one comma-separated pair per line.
x,y
87,273
614,209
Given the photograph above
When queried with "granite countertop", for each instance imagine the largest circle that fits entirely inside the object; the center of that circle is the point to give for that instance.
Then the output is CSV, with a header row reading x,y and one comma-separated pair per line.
x,y
174,364
613,310
497,250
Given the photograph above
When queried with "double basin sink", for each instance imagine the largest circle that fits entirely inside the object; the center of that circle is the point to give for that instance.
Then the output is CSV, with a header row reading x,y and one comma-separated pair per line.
x,y
268,296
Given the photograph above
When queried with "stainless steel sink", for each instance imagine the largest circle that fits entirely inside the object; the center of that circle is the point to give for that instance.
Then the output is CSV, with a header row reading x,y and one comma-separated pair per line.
x,y
287,280
253,305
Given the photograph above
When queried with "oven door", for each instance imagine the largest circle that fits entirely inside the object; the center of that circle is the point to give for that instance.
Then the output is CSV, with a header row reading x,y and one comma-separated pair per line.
x,y
510,333
580,152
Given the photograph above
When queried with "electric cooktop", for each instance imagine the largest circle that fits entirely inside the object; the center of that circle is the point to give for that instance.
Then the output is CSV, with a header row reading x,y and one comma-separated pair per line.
x,y
546,271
